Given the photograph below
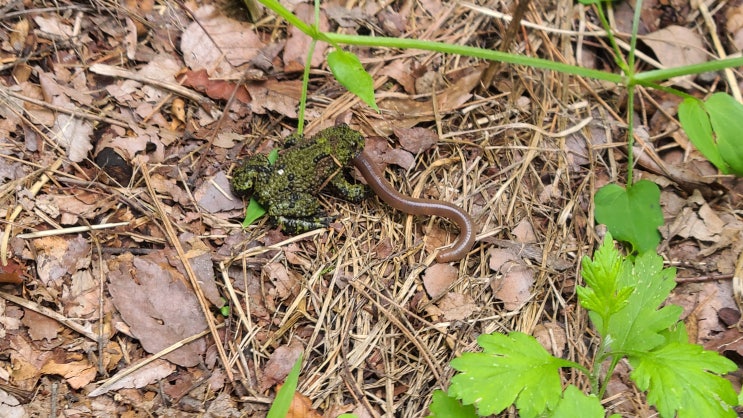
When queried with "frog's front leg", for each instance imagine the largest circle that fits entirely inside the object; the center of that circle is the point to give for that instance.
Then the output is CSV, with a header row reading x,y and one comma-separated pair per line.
x,y
353,192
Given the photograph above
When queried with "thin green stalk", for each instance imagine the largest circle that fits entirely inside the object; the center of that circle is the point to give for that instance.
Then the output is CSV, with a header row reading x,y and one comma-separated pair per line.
x,y
305,84
618,57
633,39
645,79
608,376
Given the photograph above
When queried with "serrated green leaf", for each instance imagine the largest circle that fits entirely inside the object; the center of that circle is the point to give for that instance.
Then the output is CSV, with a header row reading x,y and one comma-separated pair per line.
x,y
445,406
726,116
683,378
347,69
632,215
575,403
639,326
283,400
602,295
695,121
513,368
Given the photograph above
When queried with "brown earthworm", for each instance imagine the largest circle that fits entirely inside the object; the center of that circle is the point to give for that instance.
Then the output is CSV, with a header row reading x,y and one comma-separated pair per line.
x,y
414,206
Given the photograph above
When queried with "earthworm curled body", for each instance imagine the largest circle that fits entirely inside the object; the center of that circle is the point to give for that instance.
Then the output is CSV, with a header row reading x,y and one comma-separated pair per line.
x,y
415,206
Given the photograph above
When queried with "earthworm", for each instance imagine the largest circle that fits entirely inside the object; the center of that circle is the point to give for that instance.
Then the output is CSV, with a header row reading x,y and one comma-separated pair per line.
x,y
414,206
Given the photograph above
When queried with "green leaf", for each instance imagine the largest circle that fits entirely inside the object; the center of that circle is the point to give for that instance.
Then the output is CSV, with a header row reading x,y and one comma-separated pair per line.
x,y
696,124
683,378
575,403
640,325
445,406
602,295
284,396
512,368
631,215
347,69
726,115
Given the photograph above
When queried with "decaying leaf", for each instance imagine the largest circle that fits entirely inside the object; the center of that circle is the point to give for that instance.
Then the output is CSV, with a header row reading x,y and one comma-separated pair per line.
x,y
158,306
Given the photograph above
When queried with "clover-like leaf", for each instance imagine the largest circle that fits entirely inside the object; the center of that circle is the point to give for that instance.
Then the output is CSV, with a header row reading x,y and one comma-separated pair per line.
x,y
726,115
632,215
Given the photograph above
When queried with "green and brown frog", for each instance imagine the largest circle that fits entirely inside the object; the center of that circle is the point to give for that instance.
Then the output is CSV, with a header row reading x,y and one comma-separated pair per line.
x,y
288,188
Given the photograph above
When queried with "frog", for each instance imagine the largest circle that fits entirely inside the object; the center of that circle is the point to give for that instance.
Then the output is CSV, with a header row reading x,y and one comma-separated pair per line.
x,y
288,189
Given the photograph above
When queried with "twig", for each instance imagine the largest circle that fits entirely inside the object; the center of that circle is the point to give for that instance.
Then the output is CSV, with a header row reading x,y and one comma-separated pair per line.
x,y
175,242
50,313
71,230
18,208
111,71
122,374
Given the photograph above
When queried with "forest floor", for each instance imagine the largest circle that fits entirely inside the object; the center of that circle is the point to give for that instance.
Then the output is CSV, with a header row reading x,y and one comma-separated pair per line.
x,y
130,117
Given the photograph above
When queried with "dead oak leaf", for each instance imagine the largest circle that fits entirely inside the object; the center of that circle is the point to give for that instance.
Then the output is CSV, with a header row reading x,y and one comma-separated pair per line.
x,y
228,43
676,46
76,371
151,373
456,306
416,140
160,309
438,278
514,287
216,89
40,326
280,364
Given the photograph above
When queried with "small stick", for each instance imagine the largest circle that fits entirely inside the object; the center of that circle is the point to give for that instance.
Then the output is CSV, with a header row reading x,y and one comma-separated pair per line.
x,y
71,230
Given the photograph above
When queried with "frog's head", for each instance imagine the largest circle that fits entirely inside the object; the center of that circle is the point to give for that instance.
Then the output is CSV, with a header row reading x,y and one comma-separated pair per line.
x,y
347,142
245,177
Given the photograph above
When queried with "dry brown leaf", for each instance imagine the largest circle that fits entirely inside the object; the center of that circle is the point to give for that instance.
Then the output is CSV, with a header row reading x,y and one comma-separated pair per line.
x,y
52,24
301,407
416,140
456,306
280,364
734,24
12,272
229,43
402,72
514,287
406,112
76,371
676,46
286,282
216,89
11,406
40,326
523,232
57,256
552,336
438,278
155,302
276,96
146,375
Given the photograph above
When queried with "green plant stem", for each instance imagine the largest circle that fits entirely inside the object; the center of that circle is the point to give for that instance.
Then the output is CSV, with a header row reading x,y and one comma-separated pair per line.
x,y
305,84
609,373
645,78
618,57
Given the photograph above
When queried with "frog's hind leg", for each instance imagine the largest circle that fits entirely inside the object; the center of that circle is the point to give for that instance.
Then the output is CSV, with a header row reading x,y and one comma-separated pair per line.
x,y
353,192
300,225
